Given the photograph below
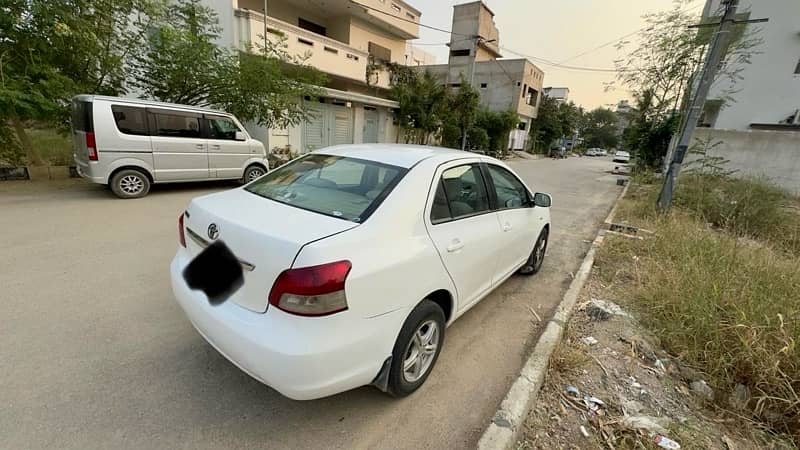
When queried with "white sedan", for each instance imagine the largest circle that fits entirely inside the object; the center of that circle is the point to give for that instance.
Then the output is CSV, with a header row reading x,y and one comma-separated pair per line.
x,y
342,268
622,156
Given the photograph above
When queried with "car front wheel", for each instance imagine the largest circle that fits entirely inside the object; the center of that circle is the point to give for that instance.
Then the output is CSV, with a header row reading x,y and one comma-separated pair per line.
x,y
417,348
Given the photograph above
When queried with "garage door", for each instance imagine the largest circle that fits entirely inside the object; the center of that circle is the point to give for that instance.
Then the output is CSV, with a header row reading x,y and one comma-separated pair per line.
x,y
370,125
330,125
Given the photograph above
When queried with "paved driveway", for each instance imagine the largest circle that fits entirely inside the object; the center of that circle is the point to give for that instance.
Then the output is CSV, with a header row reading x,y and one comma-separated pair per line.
x,y
96,354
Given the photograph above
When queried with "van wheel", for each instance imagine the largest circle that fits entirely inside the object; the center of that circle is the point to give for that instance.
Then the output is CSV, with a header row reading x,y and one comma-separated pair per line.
x,y
417,348
253,172
130,183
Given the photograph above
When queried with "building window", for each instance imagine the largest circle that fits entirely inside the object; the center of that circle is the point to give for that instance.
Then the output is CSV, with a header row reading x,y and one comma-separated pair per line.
x,y
378,52
524,90
396,8
455,85
797,69
522,126
464,52
305,42
331,50
484,85
311,26
411,16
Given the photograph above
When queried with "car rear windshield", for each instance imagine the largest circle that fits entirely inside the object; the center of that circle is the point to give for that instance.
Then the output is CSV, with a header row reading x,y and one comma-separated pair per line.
x,y
346,188
82,115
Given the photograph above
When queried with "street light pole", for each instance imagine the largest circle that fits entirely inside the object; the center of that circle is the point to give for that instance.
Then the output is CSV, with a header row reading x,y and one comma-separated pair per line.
x,y
713,60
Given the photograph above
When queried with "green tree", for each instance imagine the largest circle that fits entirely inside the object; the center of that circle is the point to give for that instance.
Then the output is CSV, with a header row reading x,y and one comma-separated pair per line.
x,y
459,117
51,50
182,64
547,126
599,128
497,126
424,104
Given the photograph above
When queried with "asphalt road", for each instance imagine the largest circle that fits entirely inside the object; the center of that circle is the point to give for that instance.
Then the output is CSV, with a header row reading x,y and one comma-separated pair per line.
x,y
96,354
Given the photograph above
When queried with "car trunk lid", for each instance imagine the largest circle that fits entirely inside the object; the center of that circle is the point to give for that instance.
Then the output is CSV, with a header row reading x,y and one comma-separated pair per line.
x,y
263,234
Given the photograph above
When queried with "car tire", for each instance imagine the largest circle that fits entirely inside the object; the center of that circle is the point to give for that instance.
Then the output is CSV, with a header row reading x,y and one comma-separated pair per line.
x,y
252,172
410,368
130,183
536,258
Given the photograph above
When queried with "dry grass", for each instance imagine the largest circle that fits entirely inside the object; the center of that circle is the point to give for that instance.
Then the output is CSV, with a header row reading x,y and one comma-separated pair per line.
x,y
727,305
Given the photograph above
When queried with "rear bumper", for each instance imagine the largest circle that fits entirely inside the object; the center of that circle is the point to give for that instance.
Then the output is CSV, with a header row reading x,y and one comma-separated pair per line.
x,y
303,358
87,170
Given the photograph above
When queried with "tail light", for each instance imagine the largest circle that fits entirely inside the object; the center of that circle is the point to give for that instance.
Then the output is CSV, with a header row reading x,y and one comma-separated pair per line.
x,y
91,146
181,232
311,291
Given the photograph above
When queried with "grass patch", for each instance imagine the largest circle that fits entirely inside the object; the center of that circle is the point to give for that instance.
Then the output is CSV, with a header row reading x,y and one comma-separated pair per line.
x,y
55,147
725,298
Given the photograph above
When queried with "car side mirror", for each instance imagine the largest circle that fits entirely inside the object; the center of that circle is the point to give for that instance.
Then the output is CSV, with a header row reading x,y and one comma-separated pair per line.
x,y
239,136
542,200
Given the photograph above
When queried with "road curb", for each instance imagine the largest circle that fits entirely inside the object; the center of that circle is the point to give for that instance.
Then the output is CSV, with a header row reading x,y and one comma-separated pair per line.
x,y
505,428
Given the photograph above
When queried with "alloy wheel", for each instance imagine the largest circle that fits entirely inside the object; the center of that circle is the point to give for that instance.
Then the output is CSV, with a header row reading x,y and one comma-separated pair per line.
x,y
421,350
131,184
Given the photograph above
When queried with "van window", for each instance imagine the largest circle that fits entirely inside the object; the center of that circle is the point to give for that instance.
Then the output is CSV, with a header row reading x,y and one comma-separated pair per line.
x,y
82,116
221,128
177,126
130,120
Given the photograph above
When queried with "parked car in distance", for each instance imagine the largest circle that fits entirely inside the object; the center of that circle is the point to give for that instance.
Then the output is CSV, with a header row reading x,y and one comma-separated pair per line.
x,y
622,156
601,152
129,144
354,259
590,152
596,152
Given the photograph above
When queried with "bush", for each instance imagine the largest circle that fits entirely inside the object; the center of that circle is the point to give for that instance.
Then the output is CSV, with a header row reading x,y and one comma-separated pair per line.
x,y
744,207
10,151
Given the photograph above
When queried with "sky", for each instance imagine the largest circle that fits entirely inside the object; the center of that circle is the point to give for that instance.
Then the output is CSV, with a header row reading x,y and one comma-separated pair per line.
x,y
556,31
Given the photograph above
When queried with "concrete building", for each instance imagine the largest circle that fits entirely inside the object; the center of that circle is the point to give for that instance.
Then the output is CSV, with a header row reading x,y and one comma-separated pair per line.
x,y
560,94
504,84
768,92
758,125
624,112
343,40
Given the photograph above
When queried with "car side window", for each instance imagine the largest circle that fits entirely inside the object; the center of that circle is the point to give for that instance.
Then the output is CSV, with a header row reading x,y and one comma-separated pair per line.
x,y
130,120
177,126
511,193
440,211
222,128
465,193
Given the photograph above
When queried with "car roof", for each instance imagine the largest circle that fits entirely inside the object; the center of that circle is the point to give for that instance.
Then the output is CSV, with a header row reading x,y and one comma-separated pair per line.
x,y
155,104
400,155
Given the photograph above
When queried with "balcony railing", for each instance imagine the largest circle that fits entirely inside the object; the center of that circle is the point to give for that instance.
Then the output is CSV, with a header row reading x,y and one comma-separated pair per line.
x,y
326,54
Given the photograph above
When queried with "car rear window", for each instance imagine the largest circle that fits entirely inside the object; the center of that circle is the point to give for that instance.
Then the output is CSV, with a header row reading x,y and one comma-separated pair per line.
x,y
346,188
82,115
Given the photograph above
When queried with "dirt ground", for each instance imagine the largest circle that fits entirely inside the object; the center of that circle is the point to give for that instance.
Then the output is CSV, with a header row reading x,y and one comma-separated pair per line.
x,y
619,389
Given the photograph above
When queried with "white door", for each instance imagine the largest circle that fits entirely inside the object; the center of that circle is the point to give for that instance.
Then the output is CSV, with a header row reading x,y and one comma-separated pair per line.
x,y
226,155
340,125
464,230
179,151
520,222
314,135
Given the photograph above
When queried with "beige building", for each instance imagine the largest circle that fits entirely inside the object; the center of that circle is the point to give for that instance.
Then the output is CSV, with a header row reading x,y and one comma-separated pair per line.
x,y
504,84
344,39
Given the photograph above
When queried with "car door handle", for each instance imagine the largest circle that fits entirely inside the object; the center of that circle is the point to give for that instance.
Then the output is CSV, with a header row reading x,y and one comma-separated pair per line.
x,y
507,226
200,146
215,146
455,246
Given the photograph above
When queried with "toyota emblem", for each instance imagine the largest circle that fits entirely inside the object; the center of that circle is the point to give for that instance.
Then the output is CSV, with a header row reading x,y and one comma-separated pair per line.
x,y
213,231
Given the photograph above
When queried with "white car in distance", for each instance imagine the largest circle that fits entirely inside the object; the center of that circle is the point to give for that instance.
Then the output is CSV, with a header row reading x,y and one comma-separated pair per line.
x,y
622,156
355,258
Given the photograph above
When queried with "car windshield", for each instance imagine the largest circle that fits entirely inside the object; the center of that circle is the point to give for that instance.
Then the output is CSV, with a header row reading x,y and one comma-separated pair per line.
x,y
346,188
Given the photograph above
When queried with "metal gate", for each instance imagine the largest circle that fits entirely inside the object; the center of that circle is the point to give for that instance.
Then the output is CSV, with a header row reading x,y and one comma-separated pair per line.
x,y
331,124
370,125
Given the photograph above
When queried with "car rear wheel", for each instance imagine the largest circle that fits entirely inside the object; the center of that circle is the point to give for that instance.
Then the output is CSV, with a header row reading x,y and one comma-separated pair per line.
x,y
417,348
253,172
538,253
130,183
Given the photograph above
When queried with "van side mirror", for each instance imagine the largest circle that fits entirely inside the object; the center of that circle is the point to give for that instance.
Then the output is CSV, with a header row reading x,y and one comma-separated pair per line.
x,y
542,200
239,136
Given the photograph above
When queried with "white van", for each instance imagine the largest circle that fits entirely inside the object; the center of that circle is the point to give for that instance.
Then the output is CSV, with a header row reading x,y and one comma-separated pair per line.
x,y
129,144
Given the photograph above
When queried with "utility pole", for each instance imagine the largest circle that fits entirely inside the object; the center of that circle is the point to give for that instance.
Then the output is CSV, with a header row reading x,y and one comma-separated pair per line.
x,y
471,81
713,60
265,28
